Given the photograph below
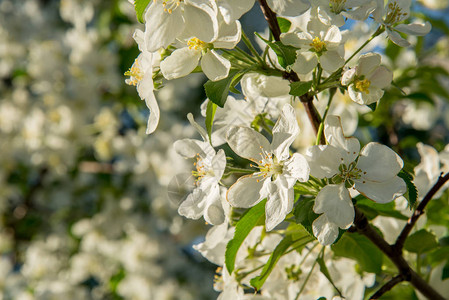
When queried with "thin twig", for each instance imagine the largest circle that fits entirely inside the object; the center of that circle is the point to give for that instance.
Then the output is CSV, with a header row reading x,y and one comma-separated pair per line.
x,y
387,286
418,212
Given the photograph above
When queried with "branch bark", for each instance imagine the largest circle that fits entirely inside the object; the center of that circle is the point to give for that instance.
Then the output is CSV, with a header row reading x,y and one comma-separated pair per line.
x,y
387,286
306,100
399,244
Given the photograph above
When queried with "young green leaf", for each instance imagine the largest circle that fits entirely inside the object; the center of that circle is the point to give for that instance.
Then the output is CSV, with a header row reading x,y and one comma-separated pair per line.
x,y
412,192
300,88
284,24
372,209
210,114
140,6
286,54
304,214
280,249
421,241
217,91
253,217
358,247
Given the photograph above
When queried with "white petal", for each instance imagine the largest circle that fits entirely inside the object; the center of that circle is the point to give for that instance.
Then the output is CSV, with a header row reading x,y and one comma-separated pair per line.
x,y
348,76
247,191
397,39
234,9
331,60
193,206
333,35
229,35
197,126
324,161
333,132
201,19
153,118
379,162
305,62
288,8
296,168
285,131
381,192
161,28
279,203
190,148
326,232
292,39
368,63
414,29
335,202
247,143
381,77
213,212
215,66
363,98
219,164
180,63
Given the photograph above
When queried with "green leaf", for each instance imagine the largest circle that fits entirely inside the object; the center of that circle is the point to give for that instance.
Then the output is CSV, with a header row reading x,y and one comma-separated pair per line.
x,y
286,54
253,217
284,24
373,209
324,270
412,192
140,6
217,91
359,248
445,273
210,114
421,241
280,249
300,88
304,214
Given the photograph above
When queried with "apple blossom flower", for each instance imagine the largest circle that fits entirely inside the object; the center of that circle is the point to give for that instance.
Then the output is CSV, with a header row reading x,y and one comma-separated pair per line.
x,y
394,12
141,75
205,199
183,61
367,80
278,171
372,171
166,20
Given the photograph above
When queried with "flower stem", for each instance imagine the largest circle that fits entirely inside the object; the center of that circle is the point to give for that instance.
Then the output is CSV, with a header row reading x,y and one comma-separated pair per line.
x,y
332,92
253,50
375,34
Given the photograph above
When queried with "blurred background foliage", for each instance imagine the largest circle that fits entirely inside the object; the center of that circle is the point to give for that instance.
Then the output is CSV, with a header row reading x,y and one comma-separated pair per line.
x,y
88,201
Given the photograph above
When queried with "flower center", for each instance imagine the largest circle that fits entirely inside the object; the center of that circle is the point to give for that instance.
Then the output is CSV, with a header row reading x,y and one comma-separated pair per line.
x,y
202,169
337,6
394,14
363,85
317,45
135,74
348,174
197,44
170,5
269,165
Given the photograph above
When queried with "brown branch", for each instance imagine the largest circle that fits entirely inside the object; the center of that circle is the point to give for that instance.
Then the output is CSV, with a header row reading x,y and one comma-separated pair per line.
x,y
306,100
418,212
387,286
362,226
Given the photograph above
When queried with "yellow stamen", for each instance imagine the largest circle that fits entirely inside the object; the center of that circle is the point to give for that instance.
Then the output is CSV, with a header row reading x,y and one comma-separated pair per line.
x,y
197,44
134,73
317,45
363,85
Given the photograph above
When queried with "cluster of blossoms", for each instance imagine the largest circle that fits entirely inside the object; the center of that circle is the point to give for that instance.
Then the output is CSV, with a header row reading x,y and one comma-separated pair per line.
x,y
290,187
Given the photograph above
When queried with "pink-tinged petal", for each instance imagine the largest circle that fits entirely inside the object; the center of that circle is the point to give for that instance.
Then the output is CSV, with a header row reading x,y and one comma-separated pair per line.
x,y
378,162
190,148
162,28
368,63
331,61
247,191
180,63
153,118
279,203
215,66
335,202
381,192
247,143
381,77
201,19
396,38
296,168
326,232
414,29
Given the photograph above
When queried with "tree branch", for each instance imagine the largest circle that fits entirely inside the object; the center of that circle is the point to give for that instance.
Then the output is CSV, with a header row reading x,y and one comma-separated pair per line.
x,y
387,286
306,100
362,226
418,212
